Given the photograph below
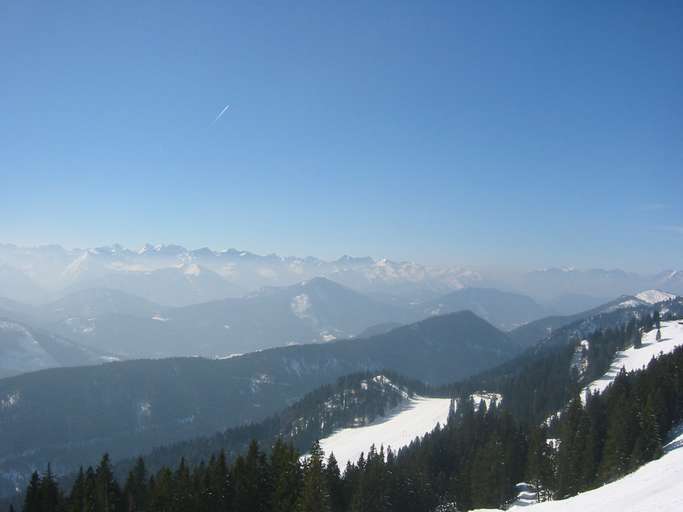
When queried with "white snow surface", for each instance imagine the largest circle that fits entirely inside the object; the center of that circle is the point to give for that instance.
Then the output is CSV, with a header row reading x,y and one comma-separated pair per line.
x,y
654,296
487,397
415,418
637,358
656,486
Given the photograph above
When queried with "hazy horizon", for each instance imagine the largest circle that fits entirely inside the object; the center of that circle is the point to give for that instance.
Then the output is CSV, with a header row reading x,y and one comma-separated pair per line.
x,y
499,269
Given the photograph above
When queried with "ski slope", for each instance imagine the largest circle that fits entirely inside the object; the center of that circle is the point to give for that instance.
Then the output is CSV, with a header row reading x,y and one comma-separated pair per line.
x,y
636,358
414,419
656,486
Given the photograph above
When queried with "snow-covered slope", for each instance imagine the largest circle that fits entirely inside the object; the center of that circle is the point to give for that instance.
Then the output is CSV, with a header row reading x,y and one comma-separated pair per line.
x,y
654,296
657,486
644,298
416,418
636,358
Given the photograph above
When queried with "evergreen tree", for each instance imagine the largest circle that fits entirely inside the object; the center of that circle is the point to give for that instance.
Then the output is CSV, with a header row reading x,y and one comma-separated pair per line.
x,y
49,492
315,495
32,498
540,470
107,492
287,476
335,484
371,493
252,480
135,488
648,445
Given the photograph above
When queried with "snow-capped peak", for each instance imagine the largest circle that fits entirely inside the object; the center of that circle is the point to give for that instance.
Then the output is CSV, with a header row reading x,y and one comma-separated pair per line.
x,y
654,296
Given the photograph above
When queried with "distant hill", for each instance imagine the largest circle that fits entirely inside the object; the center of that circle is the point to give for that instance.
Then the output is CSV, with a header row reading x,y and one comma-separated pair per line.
x,y
70,415
317,310
26,349
505,310
377,329
572,303
614,312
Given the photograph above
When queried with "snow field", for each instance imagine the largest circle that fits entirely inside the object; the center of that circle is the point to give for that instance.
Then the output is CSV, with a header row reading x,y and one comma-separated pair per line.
x,y
414,419
637,358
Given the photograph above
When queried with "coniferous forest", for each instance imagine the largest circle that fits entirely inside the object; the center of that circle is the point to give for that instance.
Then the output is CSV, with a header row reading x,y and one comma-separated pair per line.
x,y
474,461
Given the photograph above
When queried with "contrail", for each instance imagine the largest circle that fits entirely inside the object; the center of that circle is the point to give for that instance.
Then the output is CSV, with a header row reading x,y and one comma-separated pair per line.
x,y
221,114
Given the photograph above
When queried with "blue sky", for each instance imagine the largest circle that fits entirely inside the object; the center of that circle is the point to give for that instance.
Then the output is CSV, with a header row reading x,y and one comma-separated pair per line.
x,y
520,134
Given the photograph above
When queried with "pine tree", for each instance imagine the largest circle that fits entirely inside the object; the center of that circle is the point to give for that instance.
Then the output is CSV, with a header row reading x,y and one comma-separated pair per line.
x,y
648,445
371,494
287,475
335,484
161,490
135,488
253,482
107,492
32,498
77,497
573,437
539,470
183,497
49,492
315,496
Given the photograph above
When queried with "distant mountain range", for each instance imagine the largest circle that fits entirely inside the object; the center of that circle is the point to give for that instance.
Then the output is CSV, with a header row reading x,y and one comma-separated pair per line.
x,y
505,310
313,311
172,275
559,328
175,276
318,310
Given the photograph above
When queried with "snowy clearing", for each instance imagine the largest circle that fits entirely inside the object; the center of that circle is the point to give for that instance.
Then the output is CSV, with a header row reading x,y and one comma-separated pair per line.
x,y
414,419
657,485
487,397
637,358
654,296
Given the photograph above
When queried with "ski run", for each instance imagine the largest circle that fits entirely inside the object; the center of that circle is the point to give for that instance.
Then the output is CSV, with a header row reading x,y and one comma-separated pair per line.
x,y
415,418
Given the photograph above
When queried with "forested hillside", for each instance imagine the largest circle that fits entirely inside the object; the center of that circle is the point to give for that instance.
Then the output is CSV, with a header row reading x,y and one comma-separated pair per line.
x,y
473,461
71,416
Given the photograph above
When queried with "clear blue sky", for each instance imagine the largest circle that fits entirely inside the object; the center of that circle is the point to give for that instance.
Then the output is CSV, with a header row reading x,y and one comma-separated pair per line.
x,y
517,133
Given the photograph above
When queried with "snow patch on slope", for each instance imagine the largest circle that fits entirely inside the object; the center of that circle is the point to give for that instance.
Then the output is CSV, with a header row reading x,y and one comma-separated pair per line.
x,y
654,296
487,397
580,358
636,358
417,417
